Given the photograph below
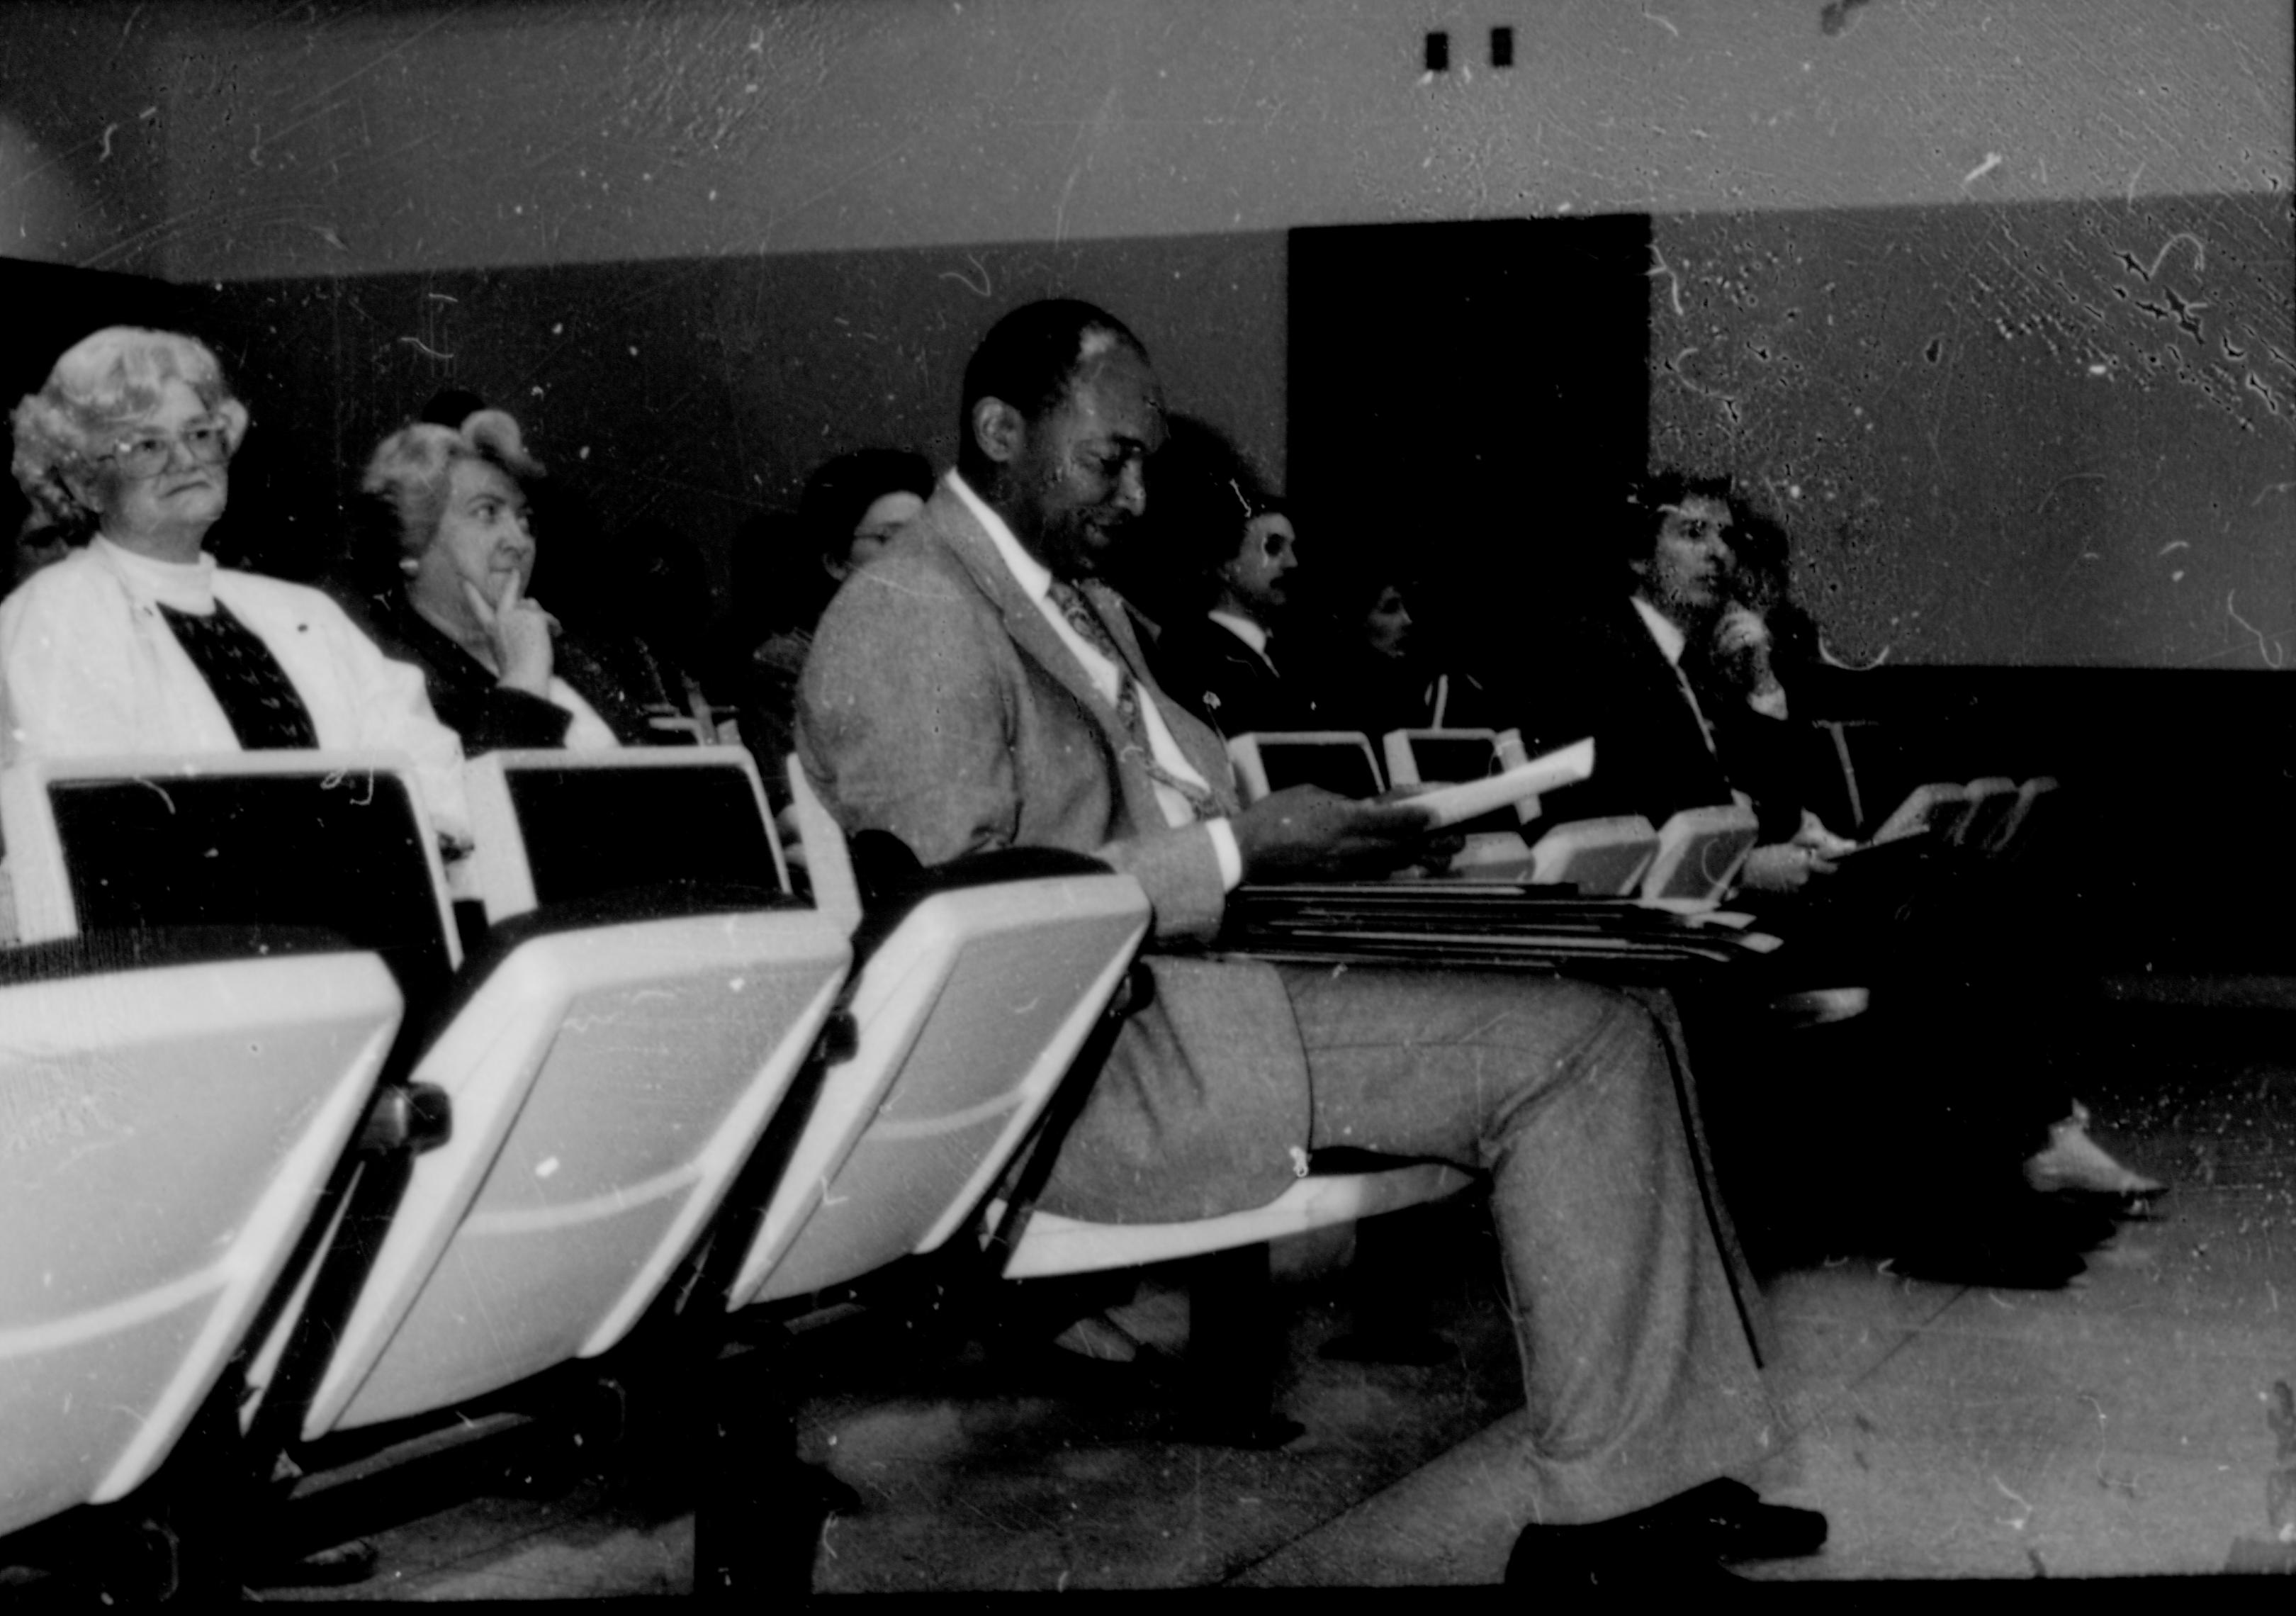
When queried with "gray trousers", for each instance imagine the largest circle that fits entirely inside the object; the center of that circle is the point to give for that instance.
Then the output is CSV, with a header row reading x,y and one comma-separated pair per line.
x,y
1638,1373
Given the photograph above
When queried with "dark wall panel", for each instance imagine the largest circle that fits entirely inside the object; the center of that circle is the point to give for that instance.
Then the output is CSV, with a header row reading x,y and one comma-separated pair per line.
x,y
1469,398
690,393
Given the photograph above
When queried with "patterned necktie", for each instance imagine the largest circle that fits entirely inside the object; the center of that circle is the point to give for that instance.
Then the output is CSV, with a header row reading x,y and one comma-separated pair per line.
x,y
1087,622
266,713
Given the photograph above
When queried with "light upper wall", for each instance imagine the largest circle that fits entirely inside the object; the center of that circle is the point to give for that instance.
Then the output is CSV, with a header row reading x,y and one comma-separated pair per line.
x,y
308,141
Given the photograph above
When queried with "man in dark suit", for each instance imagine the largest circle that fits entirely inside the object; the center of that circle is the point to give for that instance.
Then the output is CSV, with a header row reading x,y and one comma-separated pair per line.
x,y
978,687
1219,662
1623,676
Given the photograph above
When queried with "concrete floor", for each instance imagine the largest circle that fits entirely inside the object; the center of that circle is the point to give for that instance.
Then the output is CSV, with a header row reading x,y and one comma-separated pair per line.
x,y
2116,1427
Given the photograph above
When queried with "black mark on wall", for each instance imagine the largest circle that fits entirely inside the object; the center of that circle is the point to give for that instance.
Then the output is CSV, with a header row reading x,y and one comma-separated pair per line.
x,y
1835,16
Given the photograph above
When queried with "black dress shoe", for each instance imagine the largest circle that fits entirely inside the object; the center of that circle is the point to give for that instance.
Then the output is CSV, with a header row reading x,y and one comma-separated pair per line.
x,y
2003,1239
1730,1519
1684,1541
1999,1266
1552,1559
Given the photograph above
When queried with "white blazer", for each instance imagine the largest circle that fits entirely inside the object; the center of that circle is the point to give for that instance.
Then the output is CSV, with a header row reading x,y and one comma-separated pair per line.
x,y
88,667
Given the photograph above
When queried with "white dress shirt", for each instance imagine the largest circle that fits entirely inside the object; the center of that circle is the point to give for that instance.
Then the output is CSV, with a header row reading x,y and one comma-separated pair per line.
x,y
1036,579
1250,633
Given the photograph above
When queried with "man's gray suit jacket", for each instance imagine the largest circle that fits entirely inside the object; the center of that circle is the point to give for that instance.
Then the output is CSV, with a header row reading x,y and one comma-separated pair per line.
x,y
940,705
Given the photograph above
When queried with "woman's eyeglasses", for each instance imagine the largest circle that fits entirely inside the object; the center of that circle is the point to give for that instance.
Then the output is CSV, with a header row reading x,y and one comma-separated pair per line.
x,y
148,453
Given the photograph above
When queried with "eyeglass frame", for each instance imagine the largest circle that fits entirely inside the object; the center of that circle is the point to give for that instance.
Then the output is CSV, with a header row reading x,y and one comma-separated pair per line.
x,y
140,447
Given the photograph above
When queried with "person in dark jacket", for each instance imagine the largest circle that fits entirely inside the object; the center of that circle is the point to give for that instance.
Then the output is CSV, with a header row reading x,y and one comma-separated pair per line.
x,y
1219,660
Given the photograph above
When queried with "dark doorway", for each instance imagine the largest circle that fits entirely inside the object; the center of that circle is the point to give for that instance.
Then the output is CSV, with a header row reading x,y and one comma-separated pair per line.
x,y
1471,400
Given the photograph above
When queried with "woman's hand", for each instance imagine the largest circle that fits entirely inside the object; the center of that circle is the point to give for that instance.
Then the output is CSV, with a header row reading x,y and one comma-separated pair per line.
x,y
519,631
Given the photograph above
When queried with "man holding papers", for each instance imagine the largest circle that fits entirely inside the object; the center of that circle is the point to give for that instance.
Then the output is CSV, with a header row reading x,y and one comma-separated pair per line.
x,y
979,687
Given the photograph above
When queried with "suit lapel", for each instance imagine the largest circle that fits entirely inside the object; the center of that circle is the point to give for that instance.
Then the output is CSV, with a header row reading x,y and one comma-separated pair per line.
x,y
946,517
1024,620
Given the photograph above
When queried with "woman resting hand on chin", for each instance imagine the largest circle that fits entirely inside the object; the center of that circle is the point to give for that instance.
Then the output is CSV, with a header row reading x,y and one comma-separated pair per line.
x,y
137,640
448,505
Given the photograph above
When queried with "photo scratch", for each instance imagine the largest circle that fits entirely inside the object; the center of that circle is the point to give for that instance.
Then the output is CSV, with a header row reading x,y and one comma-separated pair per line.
x,y
2200,255
2265,647
1659,267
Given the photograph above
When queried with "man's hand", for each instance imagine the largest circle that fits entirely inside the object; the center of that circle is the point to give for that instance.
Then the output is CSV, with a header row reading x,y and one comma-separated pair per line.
x,y
1306,831
1783,866
520,631
1740,629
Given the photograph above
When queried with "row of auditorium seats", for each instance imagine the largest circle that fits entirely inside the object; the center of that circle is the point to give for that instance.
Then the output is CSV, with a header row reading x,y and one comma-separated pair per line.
x,y
298,1173
1992,817
1692,858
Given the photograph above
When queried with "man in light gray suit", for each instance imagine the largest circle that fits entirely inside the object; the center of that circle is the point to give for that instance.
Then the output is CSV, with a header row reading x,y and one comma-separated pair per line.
x,y
977,687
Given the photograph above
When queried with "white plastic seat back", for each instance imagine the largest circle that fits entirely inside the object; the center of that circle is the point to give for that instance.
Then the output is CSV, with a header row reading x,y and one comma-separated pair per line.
x,y
1602,857
1699,852
1440,756
1494,849
1935,808
164,1136
1338,760
608,1081
335,840
969,1015
2014,831
1991,801
554,826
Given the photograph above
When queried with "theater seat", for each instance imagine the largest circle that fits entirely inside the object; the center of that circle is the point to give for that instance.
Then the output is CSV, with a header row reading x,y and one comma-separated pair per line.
x,y
1699,852
1602,857
1339,761
1991,801
975,985
622,1035
610,1057
1050,1245
1495,849
608,1080
170,1105
1928,810
2030,812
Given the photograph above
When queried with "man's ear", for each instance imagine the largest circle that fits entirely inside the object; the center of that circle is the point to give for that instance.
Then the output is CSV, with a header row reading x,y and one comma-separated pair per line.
x,y
999,428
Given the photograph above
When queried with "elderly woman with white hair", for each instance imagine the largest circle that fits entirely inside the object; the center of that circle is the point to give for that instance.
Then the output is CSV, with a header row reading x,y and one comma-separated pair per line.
x,y
137,640
448,506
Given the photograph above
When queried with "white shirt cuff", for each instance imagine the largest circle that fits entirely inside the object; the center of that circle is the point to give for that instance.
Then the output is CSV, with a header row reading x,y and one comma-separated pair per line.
x,y
1230,855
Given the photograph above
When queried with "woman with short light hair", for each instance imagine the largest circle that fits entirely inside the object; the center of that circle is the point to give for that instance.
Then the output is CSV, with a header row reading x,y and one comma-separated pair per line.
x,y
137,642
